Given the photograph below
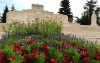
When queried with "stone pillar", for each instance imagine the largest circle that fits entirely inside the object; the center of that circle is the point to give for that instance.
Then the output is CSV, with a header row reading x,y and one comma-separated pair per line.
x,y
93,19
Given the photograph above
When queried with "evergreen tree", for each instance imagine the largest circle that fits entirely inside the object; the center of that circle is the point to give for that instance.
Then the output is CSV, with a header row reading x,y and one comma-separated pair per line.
x,y
65,9
89,7
12,8
3,18
98,15
0,18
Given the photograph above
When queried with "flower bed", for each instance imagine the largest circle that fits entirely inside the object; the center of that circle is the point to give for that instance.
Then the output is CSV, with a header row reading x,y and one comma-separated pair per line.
x,y
46,46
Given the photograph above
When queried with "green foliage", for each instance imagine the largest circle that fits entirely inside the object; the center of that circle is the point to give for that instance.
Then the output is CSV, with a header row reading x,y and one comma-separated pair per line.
x,y
57,43
52,52
59,57
3,18
70,52
12,8
50,28
85,19
11,40
35,46
9,52
79,44
19,58
94,61
28,48
46,28
44,33
86,16
7,49
66,10
41,58
92,51
76,57
97,46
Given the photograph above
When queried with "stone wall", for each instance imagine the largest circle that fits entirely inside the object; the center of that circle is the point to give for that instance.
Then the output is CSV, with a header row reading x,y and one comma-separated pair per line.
x,y
37,11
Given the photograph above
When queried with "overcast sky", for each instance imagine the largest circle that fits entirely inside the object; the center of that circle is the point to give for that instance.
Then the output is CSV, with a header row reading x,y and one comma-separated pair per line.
x,y
49,5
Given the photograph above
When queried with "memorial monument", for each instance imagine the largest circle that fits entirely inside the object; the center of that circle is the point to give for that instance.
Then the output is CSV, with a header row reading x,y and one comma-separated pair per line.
x,y
93,19
37,11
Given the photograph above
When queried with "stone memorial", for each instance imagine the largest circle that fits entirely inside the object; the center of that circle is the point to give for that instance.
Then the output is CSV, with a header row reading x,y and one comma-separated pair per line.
x,y
93,19
37,11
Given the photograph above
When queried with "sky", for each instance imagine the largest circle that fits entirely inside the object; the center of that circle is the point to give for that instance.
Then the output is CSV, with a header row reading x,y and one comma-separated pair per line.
x,y
49,5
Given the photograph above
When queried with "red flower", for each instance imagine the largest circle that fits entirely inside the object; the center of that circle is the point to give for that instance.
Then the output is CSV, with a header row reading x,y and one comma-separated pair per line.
x,y
82,48
47,47
27,45
17,45
22,51
1,60
1,57
68,45
71,61
25,61
32,41
29,56
44,48
16,49
85,53
52,60
59,39
86,59
65,55
34,52
98,57
66,60
59,48
1,54
41,47
11,58
25,55
64,44
45,56
35,57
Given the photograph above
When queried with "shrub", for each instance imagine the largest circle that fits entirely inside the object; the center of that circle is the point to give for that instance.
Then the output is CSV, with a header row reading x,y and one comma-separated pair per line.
x,y
46,28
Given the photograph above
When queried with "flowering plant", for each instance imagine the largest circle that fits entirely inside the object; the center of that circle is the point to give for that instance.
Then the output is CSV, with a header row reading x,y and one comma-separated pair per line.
x,y
46,46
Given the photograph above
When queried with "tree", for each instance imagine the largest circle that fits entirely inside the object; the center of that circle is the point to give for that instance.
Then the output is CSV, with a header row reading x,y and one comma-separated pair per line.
x,y
3,18
13,8
66,10
0,17
89,8
85,19
98,15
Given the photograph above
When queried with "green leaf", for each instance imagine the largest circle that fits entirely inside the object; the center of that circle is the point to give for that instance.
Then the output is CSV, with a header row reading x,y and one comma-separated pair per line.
x,y
41,58
76,57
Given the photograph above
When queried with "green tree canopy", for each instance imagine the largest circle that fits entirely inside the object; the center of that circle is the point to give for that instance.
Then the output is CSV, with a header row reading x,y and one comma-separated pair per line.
x,y
65,9
89,8
13,8
3,18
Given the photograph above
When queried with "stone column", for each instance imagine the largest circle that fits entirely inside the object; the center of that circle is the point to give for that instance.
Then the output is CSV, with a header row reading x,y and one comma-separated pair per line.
x,y
93,19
